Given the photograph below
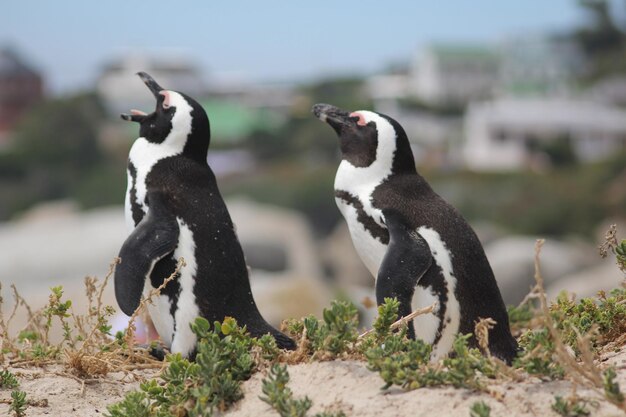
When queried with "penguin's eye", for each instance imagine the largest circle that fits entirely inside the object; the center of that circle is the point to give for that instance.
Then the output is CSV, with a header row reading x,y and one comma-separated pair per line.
x,y
358,118
166,99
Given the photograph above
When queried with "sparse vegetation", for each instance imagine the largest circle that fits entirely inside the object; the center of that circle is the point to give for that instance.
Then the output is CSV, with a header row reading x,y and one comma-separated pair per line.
x,y
8,380
560,341
480,409
18,403
537,357
279,396
330,337
520,316
570,407
611,387
603,317
225,358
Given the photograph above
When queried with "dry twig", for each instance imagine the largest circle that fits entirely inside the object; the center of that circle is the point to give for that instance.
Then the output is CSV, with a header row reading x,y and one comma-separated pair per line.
x,y
404,320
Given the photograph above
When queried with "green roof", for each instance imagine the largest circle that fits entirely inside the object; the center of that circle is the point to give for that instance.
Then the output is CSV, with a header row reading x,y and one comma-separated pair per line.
x,y
454,51
231,122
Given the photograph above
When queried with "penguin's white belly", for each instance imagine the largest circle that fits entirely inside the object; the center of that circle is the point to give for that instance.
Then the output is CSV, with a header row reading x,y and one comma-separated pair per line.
x,y
160,314
452,314
187,309
370,250
174,330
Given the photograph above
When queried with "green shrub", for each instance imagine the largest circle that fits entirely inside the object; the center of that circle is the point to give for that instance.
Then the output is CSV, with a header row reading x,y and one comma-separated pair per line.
x,y
199,388
279,396
18,403
570,407
480,409
537,355
8,380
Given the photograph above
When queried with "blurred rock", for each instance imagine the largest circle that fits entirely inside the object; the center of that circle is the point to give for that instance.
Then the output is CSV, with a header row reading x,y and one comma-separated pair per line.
x,y
512,261
286,273
586,283
344,264
54,244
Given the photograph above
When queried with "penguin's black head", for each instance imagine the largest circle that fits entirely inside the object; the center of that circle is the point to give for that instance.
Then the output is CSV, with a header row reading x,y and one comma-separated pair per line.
x,y
178,121
367,137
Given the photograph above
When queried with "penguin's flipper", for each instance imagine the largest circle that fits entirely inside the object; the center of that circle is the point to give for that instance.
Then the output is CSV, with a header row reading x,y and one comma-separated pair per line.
x,y
407,259
153,238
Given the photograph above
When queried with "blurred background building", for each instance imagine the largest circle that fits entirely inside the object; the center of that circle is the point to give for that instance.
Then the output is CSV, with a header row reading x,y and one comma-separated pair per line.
x,y
21,87
525,133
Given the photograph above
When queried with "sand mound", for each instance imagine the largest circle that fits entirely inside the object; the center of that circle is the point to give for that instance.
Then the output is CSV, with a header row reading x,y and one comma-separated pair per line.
x,y
332,386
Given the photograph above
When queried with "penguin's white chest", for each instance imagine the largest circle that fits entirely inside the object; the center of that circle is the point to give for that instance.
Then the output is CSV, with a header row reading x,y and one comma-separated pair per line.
x,y
353,194
369,248
143,156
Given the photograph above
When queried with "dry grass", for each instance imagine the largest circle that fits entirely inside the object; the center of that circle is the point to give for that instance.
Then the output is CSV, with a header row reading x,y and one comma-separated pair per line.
x,y
87,351
583,371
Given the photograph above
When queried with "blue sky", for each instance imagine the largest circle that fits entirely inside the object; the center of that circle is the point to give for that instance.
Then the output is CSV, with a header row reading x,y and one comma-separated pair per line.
x,y
267,41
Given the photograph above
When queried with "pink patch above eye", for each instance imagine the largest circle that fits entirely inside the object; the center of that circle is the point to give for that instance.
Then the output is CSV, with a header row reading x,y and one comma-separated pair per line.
x,y
361,121
137,112
166,94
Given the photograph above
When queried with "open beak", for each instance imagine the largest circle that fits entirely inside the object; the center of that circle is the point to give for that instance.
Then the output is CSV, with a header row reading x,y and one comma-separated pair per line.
x,y
138,115
334,116
150,83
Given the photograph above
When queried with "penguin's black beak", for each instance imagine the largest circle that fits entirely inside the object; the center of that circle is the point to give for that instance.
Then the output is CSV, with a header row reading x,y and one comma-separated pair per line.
x,y
337,118
151,84
155,88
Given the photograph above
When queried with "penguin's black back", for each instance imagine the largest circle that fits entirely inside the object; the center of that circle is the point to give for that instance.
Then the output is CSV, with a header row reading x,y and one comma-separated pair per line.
x,y
222,286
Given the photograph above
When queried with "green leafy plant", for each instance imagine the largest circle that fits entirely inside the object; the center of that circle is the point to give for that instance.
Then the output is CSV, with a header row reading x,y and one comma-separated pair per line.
x,y
620,255
537,356
332,336
480,409
570,407
267,347
59,309
8,380
520,316
406,363
604,316
611,387
387,315
135,404
209,384
18,403
279,396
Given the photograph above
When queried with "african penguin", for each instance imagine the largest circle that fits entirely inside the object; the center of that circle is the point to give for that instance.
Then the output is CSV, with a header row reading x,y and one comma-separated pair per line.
x,y
415,244
174,209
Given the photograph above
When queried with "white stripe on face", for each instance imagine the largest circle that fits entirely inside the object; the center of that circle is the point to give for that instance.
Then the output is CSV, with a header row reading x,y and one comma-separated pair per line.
x,y
145,154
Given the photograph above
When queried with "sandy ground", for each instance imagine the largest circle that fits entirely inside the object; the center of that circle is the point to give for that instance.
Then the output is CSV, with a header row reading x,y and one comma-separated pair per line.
x,y
350,387
51,393
332,386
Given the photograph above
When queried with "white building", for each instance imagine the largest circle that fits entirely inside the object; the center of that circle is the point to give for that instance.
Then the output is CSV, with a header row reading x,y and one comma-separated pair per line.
x,y
454,74
501,134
